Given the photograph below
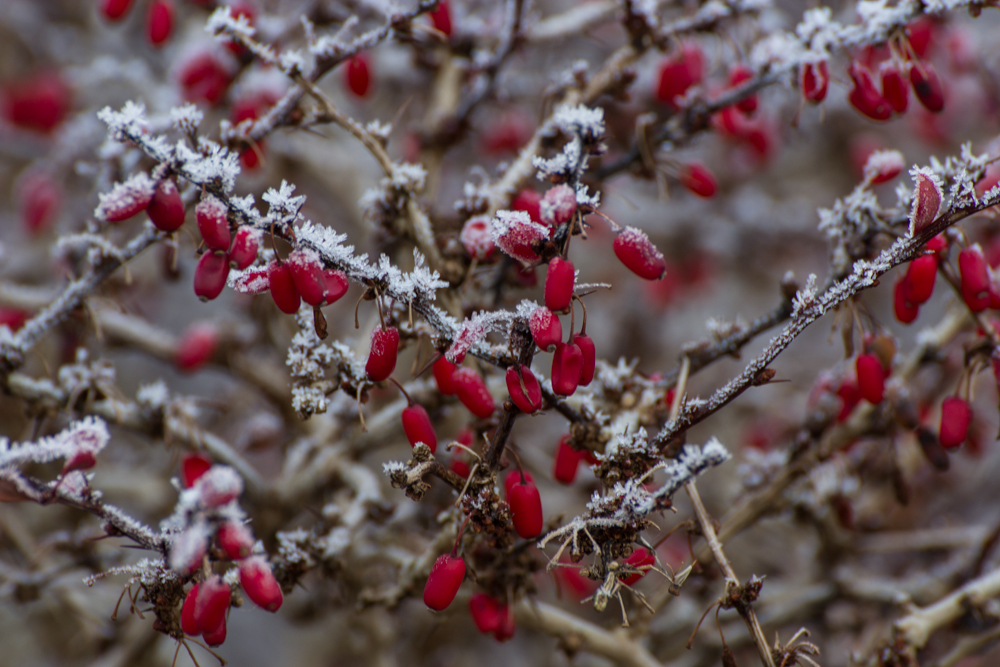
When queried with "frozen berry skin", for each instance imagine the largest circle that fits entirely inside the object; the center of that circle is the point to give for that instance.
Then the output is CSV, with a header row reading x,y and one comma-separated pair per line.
x,y
210,275
382,357
166,210
259,583
559,285
444,581
634,249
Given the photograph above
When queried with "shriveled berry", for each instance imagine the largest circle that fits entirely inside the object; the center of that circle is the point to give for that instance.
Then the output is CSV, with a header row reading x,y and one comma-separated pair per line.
x,y
975,278
814,80
485,612
642,559
557,205
871,377
259,583
418,428
235,539
864,96
634,249
210,275
567,368
189,623
282,286
382,355
589,352
477,237
894,88
115,10
559,285
545,328
471,389
244,250
193,466
444,581
567,462
160,22
905,310
443,371
920,276
196,346
927,86
210,214
214,596
524,390
357,75
956,416
307,274
526,509
166,210
336,285
698,179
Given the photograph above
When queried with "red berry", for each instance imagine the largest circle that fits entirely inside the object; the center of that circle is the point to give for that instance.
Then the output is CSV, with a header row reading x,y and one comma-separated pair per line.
x,y
505,628
196,346
245,245
444,581
382,356
506,135
567,462
849,395
871,377
894,88
214,596
443,371
126,199
921,33
920,277
336,285
679,73
159,21
956,415
864,96
545,328
524,390
530,202
39,102
40,199
357,75
282,286
219,486
567,368
927,87
235,539
589,353
477,237
115,10
559,285
975,278
514,477
418,428
634,249
473,393
307,274
217,636
905,310
210,214
210,275
526,509
938,245
441,18
640,559
188,623
814,80
485,612
698,179
882,166
204,76
741,74
518,236
259,583
166,210
557,205
193,466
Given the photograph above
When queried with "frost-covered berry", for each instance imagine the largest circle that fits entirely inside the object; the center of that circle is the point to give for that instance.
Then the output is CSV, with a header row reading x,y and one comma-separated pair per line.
x,y
526,509
927,86
485,612
882,166
307,274
864,96
698,179
336,285
166,210
235,540
196,346
634,249
814,81
245,245
557,205
517,235
418,428
871,377
956,416
905,310
214,597
559,285
441,18
443,371
566,463
589,352
357,75
567,368
894,88
115,10
210,214
477,237
193,466
920,276
524,390
545,328
159,22
444,581
382,356
679,73
219,486
282,286
259,584
126,199
641,559
471,389
210,275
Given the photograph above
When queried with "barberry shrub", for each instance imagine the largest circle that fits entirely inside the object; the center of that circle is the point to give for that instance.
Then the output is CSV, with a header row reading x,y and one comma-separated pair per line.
x,y
312,312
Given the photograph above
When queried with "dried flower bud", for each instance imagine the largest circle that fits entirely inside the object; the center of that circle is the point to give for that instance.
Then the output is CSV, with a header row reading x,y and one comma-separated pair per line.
x,y
444,581
634,249
259,583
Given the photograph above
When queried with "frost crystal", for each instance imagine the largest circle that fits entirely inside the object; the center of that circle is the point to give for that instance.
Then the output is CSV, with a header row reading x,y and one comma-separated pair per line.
x,y
89,435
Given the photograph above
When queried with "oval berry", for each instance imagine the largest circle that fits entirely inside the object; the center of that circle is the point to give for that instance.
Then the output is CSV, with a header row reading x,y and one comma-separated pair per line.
x,y
485,612
282,286
336,285
418,428
213,600
634,249
698,179
642,559
927,86
514,477
259,583
956,416
524,390
40,198
864,96
443,371
871,377
244,250
196,347
589,353
738,75
210,275
193,466
894,88
477,237
210,215
557,205
905,310
188,622
115,10
814,80
471,389
159,22
567,462
559,285
382,356
975,278
441,18
545,328
567,368
235,539
166,210
679,73
217,636
444,581
357,75
526,510
529,201
307,274
920,276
